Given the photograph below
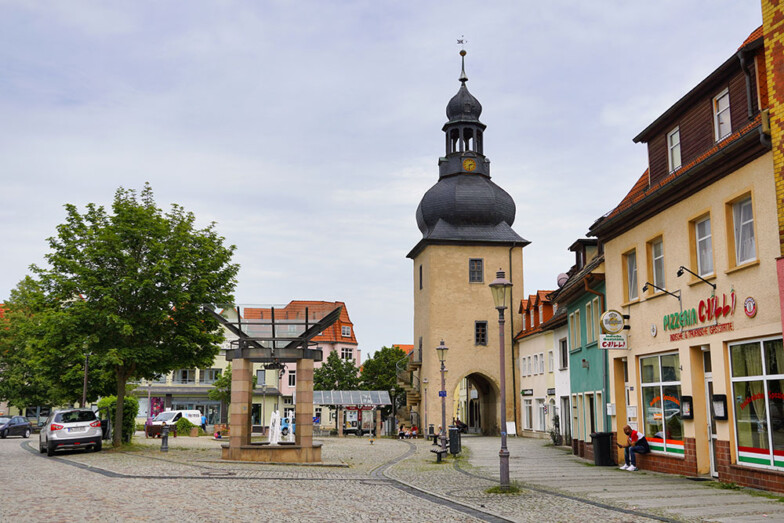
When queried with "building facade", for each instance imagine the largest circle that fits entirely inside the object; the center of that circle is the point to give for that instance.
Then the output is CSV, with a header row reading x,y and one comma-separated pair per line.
x,y
692,267
466,220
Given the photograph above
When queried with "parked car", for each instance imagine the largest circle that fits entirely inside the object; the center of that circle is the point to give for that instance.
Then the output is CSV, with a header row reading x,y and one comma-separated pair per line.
x,y
287,422
70,429
15,426
170,418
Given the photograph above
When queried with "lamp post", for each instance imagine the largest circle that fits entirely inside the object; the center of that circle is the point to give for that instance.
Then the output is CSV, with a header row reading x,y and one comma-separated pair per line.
x,y
500,289
441,357
424,429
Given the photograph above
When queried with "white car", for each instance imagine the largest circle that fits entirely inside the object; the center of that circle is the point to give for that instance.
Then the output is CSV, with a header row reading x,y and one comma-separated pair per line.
x,y
70,429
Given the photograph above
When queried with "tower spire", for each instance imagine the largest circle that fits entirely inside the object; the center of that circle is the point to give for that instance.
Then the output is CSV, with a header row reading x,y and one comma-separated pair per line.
x,y
461,41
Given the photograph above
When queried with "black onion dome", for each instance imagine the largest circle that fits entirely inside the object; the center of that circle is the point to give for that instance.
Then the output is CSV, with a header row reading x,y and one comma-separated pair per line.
x,y
463,106
467,207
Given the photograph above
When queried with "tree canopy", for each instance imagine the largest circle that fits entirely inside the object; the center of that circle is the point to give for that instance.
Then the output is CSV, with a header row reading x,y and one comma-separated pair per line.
x,y
133,283
379,372
336,374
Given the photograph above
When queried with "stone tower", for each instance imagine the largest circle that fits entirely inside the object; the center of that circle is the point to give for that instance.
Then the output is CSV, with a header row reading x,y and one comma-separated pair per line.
x,y
466,224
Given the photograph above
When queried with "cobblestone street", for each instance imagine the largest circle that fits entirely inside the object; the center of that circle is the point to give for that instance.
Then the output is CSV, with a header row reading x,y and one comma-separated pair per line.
x,y
390,480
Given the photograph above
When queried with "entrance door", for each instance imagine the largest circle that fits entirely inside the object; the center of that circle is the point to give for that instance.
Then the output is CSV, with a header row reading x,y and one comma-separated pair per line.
x,y
711,422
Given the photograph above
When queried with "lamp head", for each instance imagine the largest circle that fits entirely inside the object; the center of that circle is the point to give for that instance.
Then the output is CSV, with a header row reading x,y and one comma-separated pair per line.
x,y
680,271
499,287
442,351
645,288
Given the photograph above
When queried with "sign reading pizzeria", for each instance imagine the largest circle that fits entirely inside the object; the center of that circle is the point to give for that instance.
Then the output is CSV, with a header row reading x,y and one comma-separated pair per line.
x,y
708,310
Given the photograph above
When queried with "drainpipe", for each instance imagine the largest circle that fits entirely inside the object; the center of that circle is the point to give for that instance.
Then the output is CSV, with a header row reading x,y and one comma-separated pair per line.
x,y
605,389
745,64
511,337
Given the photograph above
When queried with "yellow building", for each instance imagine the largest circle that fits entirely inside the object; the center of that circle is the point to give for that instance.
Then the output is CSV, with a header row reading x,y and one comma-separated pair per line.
x,y
690,258
465,220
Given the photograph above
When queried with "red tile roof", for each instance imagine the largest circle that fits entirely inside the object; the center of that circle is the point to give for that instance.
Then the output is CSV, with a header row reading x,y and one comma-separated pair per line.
x,y
755,34
316,310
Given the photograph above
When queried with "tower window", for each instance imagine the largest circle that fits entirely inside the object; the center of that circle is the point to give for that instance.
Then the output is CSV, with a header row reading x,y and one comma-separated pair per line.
x,y
475,270
480,333
420,277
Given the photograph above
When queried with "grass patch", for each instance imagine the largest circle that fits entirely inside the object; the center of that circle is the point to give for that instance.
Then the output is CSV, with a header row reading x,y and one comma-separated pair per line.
x,y
514,488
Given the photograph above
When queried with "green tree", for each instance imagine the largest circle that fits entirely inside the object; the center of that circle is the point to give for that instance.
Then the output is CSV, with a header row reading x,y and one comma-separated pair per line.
x,y
379,373
136,280
42,352
336,374
222,386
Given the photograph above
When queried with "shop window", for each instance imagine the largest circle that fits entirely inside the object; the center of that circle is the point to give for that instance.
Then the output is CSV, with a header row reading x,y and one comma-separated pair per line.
x,y
743,249
660,378
630,275
758,390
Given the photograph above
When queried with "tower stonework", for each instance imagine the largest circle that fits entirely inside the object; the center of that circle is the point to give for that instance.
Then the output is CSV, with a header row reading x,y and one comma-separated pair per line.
x,y
466,224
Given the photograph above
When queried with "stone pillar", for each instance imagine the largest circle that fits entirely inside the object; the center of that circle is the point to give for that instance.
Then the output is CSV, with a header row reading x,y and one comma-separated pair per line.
x,y
378,422
340,421
303,410
239,410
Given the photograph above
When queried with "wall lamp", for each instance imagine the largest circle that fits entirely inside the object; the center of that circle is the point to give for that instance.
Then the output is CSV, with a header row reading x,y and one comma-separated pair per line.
x,y
682,268
649,284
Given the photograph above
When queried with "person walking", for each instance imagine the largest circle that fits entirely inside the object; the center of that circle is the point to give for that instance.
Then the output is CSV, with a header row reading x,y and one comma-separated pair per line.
x,y
635,444
204,422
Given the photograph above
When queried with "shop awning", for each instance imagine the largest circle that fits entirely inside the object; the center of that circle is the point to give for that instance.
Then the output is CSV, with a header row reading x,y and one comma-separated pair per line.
x,y
351,397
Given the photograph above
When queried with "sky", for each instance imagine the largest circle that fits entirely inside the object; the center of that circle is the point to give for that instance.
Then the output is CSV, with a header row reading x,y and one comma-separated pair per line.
x,y
309,130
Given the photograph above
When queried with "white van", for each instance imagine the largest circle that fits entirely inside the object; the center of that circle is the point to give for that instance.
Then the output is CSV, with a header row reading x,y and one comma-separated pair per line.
x,y
170,418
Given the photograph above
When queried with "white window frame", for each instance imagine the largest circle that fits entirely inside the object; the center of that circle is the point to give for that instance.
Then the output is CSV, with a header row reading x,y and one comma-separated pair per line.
x,y
541,418
292,379
720,113
345,331
738,225
674,149
550,362
541,363
541,313
630,260
657,262
347,353
707,239
563,349
524,322
589,337
578,335
536,364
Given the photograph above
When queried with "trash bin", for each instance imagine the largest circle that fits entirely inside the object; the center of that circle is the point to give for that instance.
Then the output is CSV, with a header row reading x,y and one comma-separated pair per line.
x,y
454,441
602,442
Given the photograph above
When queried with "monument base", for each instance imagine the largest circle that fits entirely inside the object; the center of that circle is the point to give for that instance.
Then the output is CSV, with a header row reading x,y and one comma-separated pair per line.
x,y
273,453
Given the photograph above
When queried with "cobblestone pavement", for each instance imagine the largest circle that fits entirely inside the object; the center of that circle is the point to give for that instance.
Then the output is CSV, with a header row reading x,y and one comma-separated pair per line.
x,y
388,481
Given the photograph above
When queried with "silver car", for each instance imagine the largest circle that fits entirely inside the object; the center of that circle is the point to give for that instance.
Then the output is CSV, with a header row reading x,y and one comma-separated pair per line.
x,y
70,429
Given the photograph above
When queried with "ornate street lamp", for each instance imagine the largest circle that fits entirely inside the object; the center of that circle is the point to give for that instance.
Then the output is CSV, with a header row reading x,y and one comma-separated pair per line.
x,y
441,357
500,288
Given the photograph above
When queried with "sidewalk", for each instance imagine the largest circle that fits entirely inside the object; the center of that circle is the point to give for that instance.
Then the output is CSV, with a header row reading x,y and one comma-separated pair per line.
x,y
536,465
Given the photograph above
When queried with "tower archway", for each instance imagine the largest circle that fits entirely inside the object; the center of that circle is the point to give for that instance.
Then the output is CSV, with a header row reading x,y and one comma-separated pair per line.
x,y
477,403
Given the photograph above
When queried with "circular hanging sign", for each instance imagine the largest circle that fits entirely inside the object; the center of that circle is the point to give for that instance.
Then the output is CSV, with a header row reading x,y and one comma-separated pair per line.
x,y
653,330
750,307
612,322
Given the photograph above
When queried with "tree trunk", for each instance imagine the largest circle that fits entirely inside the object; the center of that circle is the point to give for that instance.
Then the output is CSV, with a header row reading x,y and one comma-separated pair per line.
x,y
118,415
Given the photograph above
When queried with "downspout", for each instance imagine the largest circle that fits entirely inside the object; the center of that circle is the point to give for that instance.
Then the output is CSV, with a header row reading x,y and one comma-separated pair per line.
x,y
512,337
745,64
606,364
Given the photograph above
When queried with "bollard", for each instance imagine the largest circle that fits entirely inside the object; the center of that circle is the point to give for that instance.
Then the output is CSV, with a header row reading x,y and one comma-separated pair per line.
x,y
165,438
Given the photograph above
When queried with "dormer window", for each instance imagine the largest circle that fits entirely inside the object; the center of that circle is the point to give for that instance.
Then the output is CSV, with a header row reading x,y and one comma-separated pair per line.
x,y
674,149
345,331
541,314
524,317
721,115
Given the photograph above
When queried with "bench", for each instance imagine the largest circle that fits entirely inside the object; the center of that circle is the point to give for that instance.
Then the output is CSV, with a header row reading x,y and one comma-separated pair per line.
x,y
440,453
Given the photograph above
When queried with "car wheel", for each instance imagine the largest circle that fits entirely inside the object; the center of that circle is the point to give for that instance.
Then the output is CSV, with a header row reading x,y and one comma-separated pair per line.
x,y
4,434
41,447
97,447
285,432
50,449
27,433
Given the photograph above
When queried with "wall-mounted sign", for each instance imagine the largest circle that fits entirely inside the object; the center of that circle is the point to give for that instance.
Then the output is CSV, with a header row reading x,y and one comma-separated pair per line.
x,y
613,341
551,392
750,307
612,322
702,331
653,330
709,309
686,410
527,392
442,394
719,406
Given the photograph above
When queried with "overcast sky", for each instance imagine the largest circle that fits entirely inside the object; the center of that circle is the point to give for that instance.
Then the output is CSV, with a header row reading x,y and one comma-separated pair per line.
x,y
309,130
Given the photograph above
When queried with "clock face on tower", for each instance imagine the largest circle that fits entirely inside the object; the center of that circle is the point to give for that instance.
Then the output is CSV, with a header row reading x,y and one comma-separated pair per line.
x,y
469,164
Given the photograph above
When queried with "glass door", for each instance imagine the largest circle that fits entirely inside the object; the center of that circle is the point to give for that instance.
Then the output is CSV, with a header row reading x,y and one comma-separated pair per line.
x,y
711,422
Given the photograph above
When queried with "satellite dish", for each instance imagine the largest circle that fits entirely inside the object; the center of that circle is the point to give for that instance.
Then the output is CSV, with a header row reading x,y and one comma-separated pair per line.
x,y
562,278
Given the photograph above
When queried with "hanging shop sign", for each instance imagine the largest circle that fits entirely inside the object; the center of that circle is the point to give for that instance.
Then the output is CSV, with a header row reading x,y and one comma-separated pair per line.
x,y
613,341
612,322
551,392
527,392
750,307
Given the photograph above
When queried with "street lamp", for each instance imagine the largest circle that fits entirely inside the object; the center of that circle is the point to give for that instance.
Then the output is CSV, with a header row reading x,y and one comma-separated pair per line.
x,y
500,288
425,427
441,356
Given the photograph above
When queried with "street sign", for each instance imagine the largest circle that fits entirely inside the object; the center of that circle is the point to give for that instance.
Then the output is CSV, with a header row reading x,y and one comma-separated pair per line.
x,y
442,394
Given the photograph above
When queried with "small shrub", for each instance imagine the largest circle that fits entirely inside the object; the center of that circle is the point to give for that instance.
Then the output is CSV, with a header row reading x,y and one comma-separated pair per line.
x,y
130,410
183,426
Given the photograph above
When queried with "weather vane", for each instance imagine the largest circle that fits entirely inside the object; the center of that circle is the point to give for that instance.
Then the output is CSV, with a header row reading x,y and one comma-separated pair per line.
x,y
461,42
